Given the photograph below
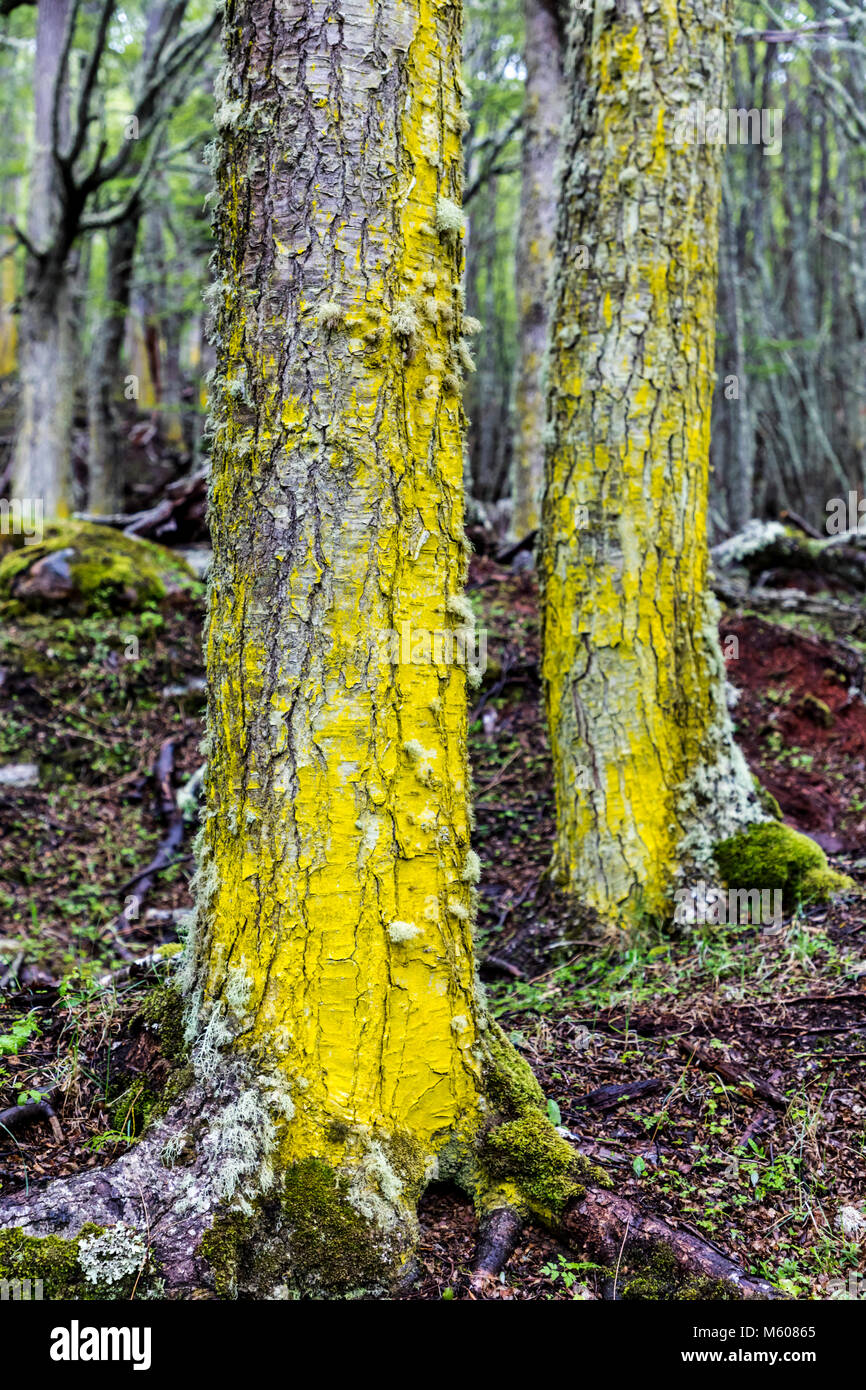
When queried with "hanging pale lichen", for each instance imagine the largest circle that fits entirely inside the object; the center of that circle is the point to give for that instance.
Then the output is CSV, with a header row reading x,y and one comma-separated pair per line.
x,y
648,777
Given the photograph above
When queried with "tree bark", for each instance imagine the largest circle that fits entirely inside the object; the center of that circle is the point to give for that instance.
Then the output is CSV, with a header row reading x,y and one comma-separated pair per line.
x,y
647,774
105,480
543,111
341,1054
41,469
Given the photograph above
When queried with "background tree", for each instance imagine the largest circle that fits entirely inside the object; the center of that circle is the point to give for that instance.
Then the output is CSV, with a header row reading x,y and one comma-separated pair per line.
x,y
71,166
790,403
543,110
648,777
493,68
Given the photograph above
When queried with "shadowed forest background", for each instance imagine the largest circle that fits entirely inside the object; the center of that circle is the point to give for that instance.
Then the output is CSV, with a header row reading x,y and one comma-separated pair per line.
x,y
715,1070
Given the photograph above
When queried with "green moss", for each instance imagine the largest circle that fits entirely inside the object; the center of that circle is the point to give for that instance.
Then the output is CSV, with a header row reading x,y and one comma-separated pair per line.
x,y
108,570
508,1080
163,1011
659,1278
544,1166
135,1104
333,1247
223,1245
770,855
54,1261
767,802
818,710
310,1240
526,1149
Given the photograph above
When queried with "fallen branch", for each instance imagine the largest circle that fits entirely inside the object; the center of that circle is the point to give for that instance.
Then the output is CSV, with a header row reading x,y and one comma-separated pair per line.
x,y
18,1115
737,1076
609,1097
165,855
761,1124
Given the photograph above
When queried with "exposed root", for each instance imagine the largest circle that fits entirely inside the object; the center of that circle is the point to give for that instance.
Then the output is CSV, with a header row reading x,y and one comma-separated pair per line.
x,y
649,1259
498,1236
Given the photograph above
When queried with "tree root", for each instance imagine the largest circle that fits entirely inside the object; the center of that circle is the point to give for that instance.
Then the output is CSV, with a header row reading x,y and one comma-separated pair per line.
x,y
18,1115
643,1257
498,1236
650,1259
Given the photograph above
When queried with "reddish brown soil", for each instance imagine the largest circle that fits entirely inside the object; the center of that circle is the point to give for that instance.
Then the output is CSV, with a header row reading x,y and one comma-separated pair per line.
x,y
801,721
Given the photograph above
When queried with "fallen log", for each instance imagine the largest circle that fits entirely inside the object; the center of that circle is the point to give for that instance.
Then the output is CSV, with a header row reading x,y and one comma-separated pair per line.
x,y
182,508
845,619
768,546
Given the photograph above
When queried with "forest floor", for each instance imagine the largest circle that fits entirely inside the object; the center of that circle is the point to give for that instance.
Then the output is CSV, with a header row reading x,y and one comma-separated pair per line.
x,y
744,1047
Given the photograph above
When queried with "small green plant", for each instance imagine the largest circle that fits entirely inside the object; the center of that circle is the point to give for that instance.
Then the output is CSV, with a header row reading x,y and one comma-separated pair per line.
x,y
568,1273
12,1042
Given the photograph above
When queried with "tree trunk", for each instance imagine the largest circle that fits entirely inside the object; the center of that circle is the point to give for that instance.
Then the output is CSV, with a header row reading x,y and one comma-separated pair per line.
x,y
48,335
105,477
647,774
47,375
341,1054
543,110
105,481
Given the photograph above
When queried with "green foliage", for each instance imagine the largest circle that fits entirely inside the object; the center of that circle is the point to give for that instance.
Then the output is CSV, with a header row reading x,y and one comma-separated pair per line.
x,y
22,1029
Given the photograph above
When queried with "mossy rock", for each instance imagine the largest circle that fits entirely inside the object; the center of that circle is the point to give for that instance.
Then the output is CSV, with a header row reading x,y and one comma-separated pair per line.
x,y
770,855
77,565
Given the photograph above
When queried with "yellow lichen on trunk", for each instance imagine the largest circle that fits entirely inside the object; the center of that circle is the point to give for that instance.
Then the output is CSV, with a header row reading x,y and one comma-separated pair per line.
x,y
334,934
647,774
